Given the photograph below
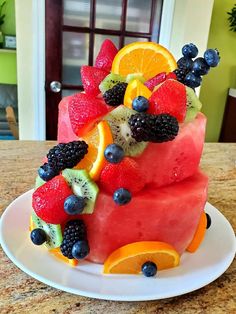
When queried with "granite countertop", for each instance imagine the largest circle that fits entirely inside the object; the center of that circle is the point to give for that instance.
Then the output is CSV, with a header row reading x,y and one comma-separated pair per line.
x,y
19,293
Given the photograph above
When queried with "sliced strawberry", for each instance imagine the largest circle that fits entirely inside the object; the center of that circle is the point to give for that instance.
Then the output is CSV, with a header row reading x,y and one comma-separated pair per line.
x,y
85,111
170,97
91,78
48,200
171,75
125,174
156,80
106,55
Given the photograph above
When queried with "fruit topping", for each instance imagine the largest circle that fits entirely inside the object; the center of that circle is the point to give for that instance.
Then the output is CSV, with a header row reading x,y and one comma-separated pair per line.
x,y
80,249
122,196
74,204
115,95
38,236
91,78
106,55
146,58
110,81
74,231
52,231
193,105
57,253
134,89
170,97
98,139
189,50
82,186
193,80
118,121
153,128
212,57
48,200
149,269
130,258
200,67
114,153
185,63
135,76
199,234
208,217
66,155
140,104
125,174
156,80
46,173
85,111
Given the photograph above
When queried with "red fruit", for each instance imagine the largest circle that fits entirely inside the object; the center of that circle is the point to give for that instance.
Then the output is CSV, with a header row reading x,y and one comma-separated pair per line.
x,y
156,80
125,174
169,98
106,55
48,200
91,78
171,75
85,111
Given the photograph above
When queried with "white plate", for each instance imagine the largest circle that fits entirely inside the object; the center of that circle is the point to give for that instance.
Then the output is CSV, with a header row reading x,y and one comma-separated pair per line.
x,y
195,271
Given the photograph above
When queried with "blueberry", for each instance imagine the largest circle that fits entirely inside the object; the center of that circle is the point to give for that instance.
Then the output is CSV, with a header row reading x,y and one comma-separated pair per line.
x,y
212,57
114,153
122,196
200,67
149,269
80,249
208,220
38,236
46,172
74,204
140,104
192,80
189,51
185,63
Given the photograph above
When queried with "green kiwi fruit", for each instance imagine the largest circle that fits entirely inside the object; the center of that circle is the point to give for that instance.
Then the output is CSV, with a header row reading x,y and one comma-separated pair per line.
x,y
54,234
109,81
118,121
38,182
133,76
82,185
193,104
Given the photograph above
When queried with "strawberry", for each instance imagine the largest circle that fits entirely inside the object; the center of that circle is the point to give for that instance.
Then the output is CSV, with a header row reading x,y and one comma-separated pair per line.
x,y
125,174
91,78
84,111
158,79
106,55
48,200
170,97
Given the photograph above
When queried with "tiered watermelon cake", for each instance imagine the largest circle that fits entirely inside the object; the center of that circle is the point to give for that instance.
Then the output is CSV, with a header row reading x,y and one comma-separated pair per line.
x,y
123,186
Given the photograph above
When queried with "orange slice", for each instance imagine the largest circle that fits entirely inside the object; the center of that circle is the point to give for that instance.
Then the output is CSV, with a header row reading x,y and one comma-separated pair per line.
x,y
57,253
97,139
146,58
31,226
129,258
199,234
135,88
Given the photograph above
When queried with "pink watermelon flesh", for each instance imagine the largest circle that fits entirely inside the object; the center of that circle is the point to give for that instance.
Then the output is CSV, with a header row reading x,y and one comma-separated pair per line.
x,y
65,133
169,162
168,214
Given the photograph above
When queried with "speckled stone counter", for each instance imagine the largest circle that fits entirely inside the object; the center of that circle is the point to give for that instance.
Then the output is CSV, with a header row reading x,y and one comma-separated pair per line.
x,y
19,293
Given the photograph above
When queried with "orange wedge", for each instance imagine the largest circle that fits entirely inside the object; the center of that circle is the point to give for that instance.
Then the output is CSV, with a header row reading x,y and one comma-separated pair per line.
x,y
146,58
134,89
129,258
199,234
97,139
57,253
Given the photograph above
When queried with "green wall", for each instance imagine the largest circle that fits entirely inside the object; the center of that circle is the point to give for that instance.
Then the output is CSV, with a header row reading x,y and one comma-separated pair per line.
x,y
215,85
8,59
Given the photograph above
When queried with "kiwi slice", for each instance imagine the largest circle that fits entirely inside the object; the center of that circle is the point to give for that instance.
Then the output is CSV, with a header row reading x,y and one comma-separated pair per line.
x,y
109,81
38,182
54,234
135,76
193,104
82,185
118,121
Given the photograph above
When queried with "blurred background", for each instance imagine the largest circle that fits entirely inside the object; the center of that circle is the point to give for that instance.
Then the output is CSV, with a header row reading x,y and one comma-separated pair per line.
x,y
44,43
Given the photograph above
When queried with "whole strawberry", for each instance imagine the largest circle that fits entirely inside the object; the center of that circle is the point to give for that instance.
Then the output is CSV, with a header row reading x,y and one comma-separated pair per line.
x,y
48,200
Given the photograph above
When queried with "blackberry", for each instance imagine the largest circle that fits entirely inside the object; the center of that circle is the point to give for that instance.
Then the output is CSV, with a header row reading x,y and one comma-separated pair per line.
x,y
115,95
67,155
74,231
153,128
181,74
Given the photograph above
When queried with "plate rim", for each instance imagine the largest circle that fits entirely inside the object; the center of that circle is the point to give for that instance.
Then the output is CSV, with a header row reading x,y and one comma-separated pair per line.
x,y
100,296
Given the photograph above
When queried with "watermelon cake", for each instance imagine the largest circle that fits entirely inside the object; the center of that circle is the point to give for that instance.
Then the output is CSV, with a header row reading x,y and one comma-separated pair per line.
x,y
123,186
